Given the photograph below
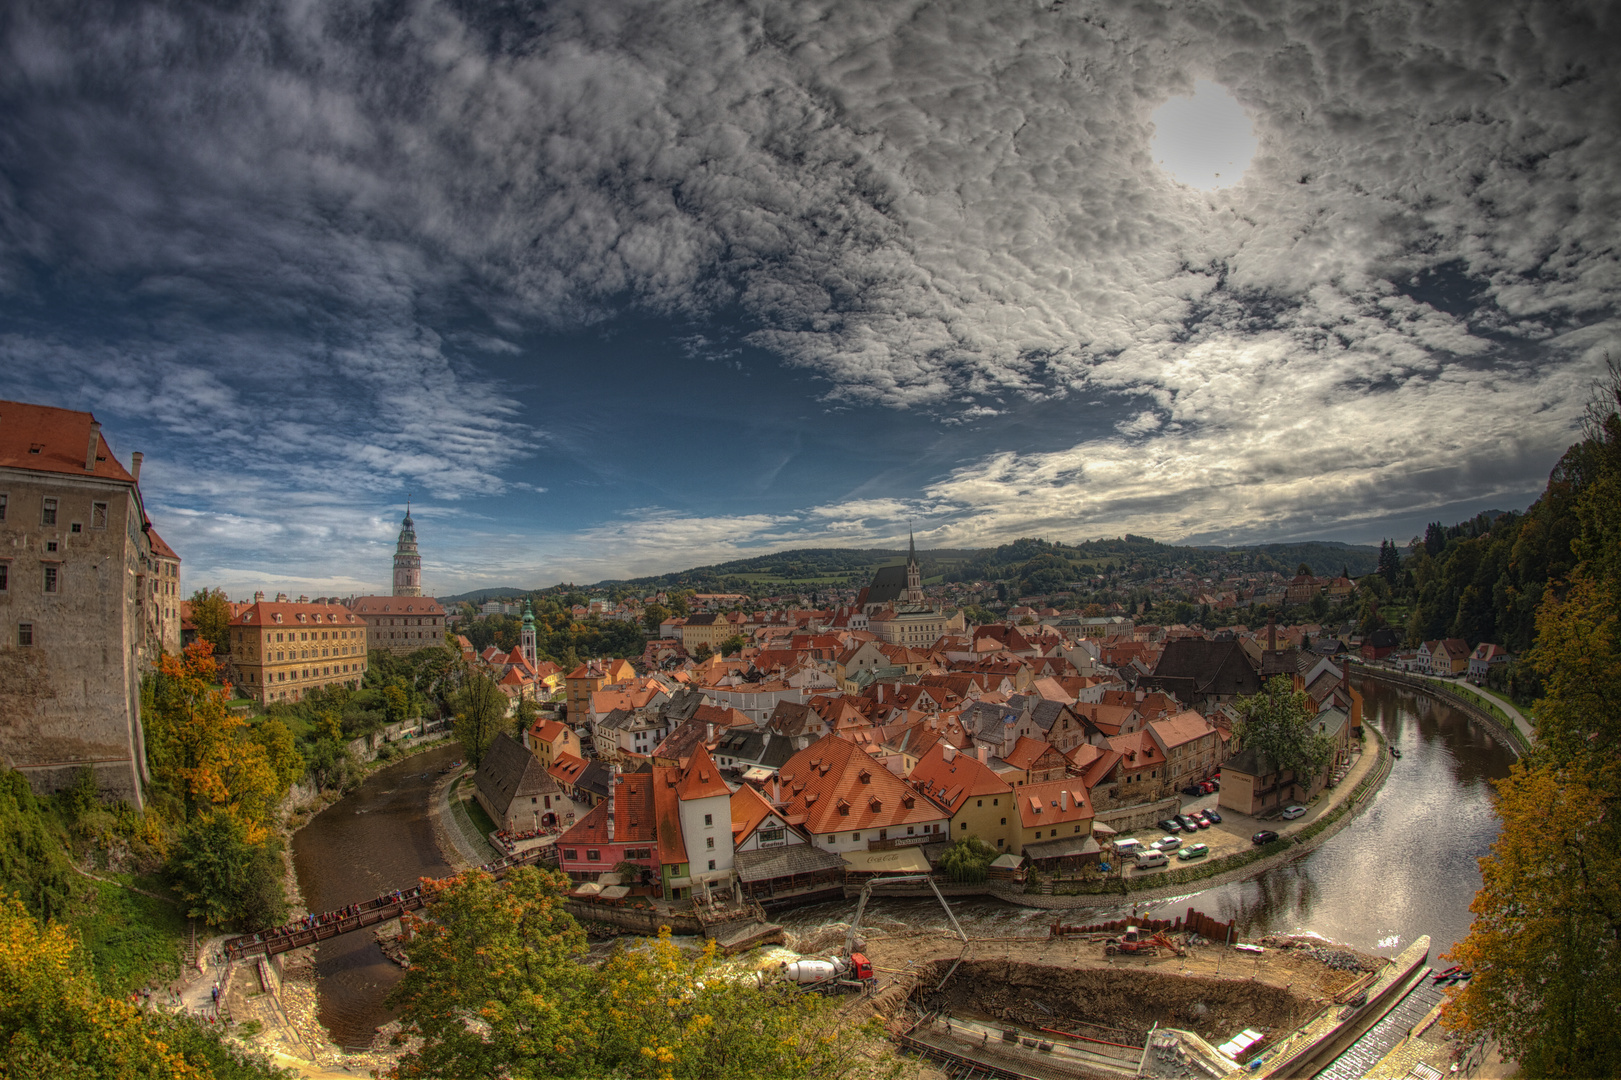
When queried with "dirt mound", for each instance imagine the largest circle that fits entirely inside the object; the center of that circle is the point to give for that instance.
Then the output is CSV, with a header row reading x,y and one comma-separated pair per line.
x,y
1125,1002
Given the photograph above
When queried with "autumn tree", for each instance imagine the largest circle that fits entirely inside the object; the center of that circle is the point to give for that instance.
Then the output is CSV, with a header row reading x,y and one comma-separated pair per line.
x,y
1277,724
497,987
56,1022
211,614
1545,944
481,712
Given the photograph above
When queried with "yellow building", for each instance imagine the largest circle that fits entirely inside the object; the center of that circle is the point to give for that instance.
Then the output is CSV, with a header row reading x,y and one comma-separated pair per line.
x,y
980,802
590,677
1055,810
917,626
401,624
282,651
710,629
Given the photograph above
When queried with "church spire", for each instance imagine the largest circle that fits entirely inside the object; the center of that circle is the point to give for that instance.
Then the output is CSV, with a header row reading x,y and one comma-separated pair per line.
x,y
914,573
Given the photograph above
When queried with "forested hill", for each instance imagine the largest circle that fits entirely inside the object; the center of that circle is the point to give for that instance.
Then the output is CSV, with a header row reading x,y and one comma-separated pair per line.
x,y
1032,564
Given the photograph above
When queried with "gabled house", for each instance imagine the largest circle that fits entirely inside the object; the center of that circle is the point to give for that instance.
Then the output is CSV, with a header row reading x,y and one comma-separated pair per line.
x,y
1204,674
1485,657
1033,761
516,790
775,862
979,801
846,801
1055,824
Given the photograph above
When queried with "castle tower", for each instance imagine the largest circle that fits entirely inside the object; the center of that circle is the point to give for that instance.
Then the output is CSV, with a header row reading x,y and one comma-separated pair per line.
x,y
407,563
526,640
914,573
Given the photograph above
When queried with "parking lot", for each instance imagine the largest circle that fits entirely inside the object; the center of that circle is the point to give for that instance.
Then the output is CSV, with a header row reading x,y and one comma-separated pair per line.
x,y
1235,830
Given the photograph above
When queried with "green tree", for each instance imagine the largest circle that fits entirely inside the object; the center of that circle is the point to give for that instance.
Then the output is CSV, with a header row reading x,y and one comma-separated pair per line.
x,y
733,645
653,616
495,987
33,858
211,614
224,877
1277,724
702,652
523,718
967,860
480,713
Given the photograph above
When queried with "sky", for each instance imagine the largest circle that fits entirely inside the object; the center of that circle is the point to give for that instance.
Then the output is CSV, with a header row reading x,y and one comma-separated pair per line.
x,y
615,288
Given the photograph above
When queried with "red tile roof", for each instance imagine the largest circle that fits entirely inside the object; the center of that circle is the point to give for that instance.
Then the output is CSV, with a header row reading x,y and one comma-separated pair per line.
x,y
396,605
951,783
1043,804
1026,752
701,778
264,613
749,808
667,811
45,439
159,548
833,786
634,815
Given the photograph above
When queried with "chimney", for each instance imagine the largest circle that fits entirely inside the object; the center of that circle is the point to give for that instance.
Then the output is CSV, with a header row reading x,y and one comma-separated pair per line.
x,y
1063,801
95,441
302,599
1272,634
134,465
281,598
949,753
259,596
613,782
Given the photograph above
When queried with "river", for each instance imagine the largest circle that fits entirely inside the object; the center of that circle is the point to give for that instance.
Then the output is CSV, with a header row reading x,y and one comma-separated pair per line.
x,y
1404,867
373,840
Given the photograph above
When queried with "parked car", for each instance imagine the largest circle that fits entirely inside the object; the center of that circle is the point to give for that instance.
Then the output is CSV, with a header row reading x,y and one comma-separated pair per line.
x,y
1168,825
1193,851
1192,789
1200,820
1150,859
1213,815
1206,787
1188,822
1129,847
1292,812
1265,836
1167,843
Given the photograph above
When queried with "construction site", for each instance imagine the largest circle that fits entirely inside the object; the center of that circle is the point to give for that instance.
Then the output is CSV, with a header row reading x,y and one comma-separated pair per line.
x,y
1182,997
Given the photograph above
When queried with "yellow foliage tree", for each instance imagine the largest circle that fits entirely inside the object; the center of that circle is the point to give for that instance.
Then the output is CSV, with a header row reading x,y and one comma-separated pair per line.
x,y
56,1022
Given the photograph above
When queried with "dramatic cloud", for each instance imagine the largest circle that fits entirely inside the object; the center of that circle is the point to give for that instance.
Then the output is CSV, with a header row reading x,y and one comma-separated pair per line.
x,y
305,242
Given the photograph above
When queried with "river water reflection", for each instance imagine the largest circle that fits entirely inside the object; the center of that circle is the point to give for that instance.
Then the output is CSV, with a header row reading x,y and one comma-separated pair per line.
x,y
372,841
1405,866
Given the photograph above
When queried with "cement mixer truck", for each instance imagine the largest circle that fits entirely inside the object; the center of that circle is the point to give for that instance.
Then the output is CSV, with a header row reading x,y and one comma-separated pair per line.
x,y
835,973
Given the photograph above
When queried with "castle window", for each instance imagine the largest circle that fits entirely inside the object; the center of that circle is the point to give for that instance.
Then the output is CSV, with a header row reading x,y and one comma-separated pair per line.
x,y
25,634
52,579
47,513
2,507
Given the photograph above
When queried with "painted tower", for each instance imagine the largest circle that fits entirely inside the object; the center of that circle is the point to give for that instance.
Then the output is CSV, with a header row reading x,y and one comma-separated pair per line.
x,y
914,573
526,640
407,563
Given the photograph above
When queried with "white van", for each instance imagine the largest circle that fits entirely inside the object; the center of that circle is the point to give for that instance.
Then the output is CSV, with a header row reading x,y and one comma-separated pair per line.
x,y
1129,847
1147,860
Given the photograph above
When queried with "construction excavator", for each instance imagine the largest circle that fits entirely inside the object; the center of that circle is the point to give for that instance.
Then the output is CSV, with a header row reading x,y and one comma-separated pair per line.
x,y
1138,942
851,969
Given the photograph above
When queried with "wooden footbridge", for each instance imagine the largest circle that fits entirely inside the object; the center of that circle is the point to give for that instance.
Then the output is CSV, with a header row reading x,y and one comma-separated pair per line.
x,y
347,920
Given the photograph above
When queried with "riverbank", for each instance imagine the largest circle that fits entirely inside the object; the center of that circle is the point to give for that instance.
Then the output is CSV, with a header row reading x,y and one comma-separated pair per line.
x,y
1490,710
288,1013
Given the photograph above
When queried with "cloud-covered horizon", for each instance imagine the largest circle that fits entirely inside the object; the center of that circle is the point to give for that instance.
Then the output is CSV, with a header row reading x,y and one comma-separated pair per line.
x,y
304,251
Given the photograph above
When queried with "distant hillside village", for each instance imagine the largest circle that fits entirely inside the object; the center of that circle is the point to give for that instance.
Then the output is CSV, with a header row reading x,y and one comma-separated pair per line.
x,y
765,747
